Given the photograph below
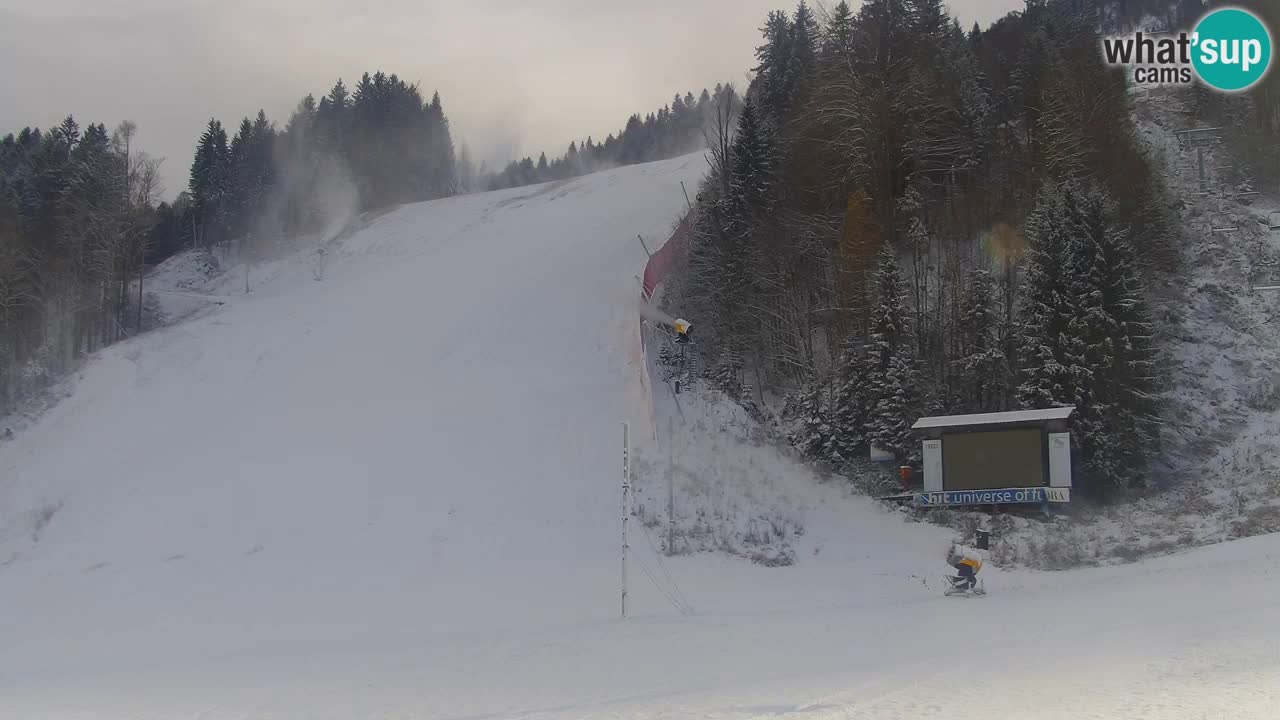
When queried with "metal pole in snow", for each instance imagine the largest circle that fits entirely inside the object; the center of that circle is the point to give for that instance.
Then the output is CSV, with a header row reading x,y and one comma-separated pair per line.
x,y
142,271
626,507
671,488
1204,181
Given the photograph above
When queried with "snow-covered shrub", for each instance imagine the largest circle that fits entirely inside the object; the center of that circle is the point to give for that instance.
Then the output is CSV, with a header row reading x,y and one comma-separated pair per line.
x,y
1258,521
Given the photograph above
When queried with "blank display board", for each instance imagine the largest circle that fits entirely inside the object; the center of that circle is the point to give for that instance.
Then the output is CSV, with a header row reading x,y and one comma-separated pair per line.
x,y
994,459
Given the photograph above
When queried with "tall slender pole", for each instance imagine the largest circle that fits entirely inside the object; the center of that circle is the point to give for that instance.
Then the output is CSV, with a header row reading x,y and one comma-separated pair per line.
x,y
244,256
1204,181
142,272
626,507
671,488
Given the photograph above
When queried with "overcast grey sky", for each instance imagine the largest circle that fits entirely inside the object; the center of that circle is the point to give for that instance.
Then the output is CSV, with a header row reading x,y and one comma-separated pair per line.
x,y
516,77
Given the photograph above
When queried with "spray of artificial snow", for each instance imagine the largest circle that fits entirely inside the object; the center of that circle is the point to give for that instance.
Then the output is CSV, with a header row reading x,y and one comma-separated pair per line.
x,y
653,314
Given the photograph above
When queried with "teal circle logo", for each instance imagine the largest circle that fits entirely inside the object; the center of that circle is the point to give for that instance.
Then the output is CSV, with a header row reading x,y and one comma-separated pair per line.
x,y
1231,49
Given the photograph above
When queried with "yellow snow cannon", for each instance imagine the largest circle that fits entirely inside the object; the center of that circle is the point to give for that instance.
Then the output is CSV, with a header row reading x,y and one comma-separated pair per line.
x,y
682,328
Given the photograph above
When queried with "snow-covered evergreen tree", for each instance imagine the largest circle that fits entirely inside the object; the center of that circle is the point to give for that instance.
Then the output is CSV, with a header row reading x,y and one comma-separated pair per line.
x,y
1051,357
812,431
1118,399
748,196
890,379
752,166
848,411
978,381
1087,335
897,408
913,236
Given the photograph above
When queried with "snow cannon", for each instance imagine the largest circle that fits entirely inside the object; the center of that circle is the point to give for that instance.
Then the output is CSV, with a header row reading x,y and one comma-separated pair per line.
x,y
682,327
962,555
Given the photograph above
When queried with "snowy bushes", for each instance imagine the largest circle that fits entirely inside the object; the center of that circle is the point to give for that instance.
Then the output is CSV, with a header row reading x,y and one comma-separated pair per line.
x,y
1125,532
729,477
1263,396
1258,521
717,524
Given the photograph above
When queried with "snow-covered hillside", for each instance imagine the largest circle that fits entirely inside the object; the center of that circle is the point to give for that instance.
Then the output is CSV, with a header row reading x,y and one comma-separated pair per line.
x,y
1218,466
394,492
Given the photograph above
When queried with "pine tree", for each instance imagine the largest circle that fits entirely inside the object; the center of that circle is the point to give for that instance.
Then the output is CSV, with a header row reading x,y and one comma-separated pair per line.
x,y
209,183
928,20
812,433
1119,398
339,98
441,154
250,172
69,135
748,196
877,393
838,37
241,188
333,120
849,405
913,236
803,50
890,379
773,74
897,408
1024,96
263,156
302,120
572,161
1051,357
979,380
752,167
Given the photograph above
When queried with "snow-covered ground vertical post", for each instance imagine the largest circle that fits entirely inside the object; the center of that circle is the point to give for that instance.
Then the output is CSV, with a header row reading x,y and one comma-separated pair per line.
x,y
626,506
671,488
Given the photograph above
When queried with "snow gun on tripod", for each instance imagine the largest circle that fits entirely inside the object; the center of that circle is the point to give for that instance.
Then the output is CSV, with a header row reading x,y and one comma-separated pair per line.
x,y
680,331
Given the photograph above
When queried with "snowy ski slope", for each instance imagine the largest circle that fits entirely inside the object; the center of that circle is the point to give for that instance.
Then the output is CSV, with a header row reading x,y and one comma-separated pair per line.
x,y
394,493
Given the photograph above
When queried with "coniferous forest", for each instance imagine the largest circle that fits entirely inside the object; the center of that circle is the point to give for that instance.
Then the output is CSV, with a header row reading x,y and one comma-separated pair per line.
x,y
673,130
910,218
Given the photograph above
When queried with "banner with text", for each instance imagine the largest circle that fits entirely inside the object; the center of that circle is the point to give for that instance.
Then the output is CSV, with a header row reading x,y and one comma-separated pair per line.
x,y
1004,496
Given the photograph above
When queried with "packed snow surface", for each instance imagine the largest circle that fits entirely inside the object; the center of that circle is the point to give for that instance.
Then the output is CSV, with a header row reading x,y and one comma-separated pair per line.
x,y
394,493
